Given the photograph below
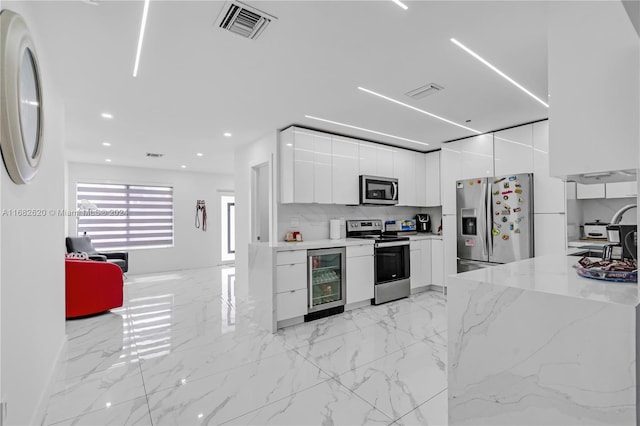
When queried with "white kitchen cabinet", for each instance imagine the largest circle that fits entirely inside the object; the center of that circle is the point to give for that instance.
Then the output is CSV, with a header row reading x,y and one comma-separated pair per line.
x,y
322,171
345,163
513,150
305,166
549,234
416,263
291,277
596,190
404,167
360,273
437,263
368,153
432,179
291,304
621,190
548,191
420,181
376,159
450,172
477,157
385,161
420,261
593,119
450,249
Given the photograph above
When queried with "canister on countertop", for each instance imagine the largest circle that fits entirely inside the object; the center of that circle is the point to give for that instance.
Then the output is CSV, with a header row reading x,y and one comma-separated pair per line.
x,y
334,229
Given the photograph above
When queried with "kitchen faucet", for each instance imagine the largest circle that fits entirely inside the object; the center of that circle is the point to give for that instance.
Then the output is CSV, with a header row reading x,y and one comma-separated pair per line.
x,y
618,216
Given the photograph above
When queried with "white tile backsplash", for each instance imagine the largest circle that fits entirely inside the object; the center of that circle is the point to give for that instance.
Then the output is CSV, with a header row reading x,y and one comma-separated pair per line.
x,y
312,220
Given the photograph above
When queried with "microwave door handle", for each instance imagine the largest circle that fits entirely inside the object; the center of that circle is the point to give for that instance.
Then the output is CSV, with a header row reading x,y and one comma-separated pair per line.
x,y
394,191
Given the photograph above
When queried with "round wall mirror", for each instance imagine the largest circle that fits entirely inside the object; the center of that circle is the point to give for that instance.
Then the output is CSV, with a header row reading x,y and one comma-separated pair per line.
x,y
21,100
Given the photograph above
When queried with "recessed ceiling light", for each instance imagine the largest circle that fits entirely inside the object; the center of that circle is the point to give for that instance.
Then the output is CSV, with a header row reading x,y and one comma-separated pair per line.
x,y
108,160
183,166
106,144
199,154
143,24
399,3
365,130
497,71
227,134
417,109
107,115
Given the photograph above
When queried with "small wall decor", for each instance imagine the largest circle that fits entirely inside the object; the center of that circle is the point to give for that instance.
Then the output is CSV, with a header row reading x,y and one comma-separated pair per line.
x,y
21,119
201,208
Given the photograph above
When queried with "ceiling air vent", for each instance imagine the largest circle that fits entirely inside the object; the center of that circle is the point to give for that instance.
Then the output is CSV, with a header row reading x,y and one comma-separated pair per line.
x,y
424,91
243,20
154,155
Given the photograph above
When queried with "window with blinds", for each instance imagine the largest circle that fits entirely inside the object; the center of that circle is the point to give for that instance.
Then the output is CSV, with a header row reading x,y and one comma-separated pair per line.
x,y
118,217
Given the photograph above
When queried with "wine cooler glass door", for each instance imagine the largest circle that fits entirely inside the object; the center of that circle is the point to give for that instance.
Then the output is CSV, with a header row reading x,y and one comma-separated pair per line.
x,y
326,278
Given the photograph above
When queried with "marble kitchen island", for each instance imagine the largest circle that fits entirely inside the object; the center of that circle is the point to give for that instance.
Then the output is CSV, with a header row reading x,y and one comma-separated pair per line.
x,y
532,343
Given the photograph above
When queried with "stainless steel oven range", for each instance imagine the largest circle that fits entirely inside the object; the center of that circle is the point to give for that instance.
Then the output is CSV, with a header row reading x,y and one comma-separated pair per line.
x,y
392,267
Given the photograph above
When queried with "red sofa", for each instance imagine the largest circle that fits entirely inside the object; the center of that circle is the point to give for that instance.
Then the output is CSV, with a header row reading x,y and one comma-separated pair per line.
x,y
92,287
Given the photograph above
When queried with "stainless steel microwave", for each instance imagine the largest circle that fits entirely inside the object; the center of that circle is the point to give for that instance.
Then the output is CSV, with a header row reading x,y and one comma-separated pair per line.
x,y
378,190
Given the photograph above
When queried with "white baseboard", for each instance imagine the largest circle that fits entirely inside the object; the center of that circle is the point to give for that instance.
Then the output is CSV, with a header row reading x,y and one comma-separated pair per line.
x,y
41,408
356,305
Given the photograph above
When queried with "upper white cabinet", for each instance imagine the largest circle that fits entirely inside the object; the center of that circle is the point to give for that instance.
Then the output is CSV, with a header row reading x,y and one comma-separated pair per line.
x,y
549,192
345,170
477,157
404,167
450,172
621,190
432,180
376,159
513,150
584,192
420,182
593,84
305,166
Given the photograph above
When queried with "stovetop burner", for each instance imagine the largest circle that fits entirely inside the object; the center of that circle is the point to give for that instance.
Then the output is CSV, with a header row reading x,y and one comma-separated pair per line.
x,y
370,230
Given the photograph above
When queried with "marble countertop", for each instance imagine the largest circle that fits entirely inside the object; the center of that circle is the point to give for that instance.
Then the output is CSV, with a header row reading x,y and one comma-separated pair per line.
x,y
317,244
427,236
554,275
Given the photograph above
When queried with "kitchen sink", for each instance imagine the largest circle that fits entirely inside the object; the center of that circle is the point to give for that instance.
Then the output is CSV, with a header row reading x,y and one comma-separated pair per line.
x,y
589,253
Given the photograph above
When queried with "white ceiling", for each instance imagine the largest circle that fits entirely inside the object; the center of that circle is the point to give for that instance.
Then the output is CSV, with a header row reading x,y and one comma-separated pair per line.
x,y
197,81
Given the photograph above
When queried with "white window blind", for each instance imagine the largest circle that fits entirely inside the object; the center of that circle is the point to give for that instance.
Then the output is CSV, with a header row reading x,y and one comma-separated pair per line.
x,y
128,216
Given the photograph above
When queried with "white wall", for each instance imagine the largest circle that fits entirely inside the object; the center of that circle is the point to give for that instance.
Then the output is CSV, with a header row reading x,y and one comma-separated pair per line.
x,y
313,219
261,151
192,248
32,258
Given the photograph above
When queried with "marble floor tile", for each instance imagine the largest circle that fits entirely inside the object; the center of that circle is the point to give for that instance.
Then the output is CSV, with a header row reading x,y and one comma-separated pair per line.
x,y
84,394
431,413
327,403
184,349
347,351
130,413
400,382
227,352
420,323
224,396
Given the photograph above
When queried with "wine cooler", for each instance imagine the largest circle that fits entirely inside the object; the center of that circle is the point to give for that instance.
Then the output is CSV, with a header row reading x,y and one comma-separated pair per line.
x,y
326,283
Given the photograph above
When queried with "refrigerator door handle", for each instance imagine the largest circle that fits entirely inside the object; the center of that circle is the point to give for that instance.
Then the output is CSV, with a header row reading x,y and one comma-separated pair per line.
x,y
310,282
489,216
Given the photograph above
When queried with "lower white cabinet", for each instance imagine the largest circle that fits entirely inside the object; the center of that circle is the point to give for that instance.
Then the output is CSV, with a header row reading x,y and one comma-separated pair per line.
x,y
420,261
291,304
291,284
291,277
360,270
437,262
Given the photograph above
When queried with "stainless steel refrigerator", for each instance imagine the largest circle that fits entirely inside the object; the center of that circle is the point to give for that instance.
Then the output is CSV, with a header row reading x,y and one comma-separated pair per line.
x,y
494,220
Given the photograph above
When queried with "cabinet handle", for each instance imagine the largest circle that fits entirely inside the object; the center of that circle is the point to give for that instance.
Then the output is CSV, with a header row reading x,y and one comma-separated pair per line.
x,y
292,291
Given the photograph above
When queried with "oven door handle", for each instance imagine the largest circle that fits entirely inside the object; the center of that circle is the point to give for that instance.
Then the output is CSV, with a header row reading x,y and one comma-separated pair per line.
x,y
391,244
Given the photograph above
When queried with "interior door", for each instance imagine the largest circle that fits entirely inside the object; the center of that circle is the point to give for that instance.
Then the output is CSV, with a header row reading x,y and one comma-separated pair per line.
x,y
471,228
